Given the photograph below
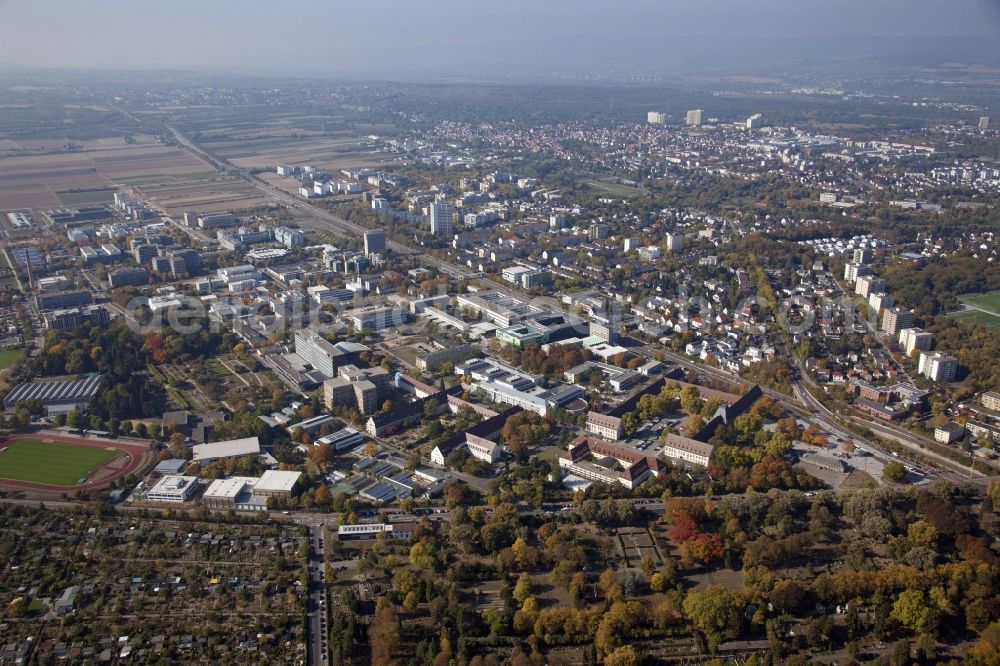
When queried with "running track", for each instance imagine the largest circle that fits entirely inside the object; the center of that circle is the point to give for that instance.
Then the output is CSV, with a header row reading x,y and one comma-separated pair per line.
x,y
133,451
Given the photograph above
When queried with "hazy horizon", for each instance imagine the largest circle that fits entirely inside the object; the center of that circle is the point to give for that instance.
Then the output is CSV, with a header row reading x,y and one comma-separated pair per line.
x,y
446,38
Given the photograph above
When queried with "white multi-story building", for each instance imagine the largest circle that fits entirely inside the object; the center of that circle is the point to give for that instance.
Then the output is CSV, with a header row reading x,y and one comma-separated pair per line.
x,y
938,367
867,284
896,319
675,242
853,271
914,338
879,300
656,118
693,117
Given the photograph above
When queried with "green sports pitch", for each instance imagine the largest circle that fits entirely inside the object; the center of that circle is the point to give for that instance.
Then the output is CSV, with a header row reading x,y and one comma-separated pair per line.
x,y
52,463
984,310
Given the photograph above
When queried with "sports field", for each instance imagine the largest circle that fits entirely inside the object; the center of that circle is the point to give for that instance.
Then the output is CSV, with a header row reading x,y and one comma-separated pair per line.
x,y
53,463
8,356
984,319
988,301
986,310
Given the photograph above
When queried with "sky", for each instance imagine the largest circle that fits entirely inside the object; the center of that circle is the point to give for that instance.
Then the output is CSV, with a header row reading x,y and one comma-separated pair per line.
x,y
445,38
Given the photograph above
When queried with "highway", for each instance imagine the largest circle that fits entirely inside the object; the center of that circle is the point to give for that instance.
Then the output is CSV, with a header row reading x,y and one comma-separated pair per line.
x,y
316,609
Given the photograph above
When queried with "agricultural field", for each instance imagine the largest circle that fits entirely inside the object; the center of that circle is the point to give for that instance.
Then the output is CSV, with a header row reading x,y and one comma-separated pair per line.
x,y
86,198
204,196
328,152
47,180
53,463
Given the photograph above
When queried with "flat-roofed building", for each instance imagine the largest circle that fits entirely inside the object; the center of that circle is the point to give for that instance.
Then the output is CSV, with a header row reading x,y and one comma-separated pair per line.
x,y
896,319
991,400
342,440
868,284
70,318
983,430
604,329
366,532
318,352
128,277
362,387
233,448
949,432
226,493
64,299
216,220
937,367
374,242
915,338
173,488
58,396
523,334
377,318
280,484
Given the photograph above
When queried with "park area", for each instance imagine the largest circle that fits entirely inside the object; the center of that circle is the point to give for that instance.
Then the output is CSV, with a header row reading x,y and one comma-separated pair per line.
x,y
50,462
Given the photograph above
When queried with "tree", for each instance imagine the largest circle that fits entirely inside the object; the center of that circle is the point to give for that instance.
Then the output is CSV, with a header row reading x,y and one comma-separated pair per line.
x,y
74,420
629,423
522,590
322,497
18,607
894,471
914,611
525,555
693,425
154,430
422,555
716,611
430,408
691,401
608,583
625,655
385,634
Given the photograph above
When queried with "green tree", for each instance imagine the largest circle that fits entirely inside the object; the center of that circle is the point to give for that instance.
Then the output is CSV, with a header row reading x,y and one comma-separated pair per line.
x,y
894,471
914,611
716,611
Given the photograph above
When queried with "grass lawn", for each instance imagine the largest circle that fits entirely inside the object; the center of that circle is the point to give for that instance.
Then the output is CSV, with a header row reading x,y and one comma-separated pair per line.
x,y
984,319
9,356
80,198
988,301
612,189
51,462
